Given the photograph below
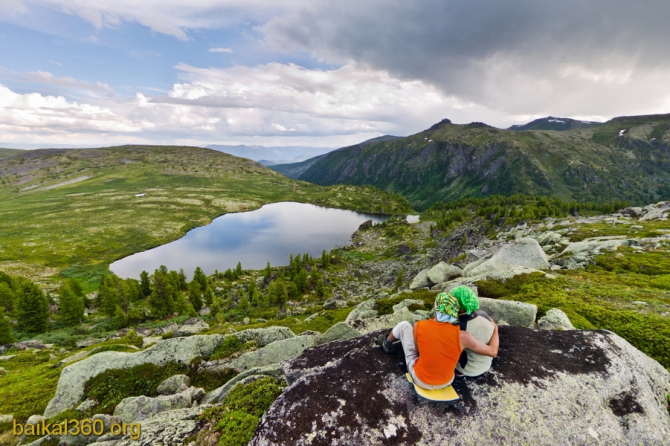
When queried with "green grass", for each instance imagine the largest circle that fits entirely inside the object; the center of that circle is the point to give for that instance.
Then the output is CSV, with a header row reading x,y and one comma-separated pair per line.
x,y
599,298
99,220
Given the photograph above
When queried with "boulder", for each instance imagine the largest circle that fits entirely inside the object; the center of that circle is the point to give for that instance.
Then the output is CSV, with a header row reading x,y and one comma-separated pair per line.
x,y
3,371
363,310
76,357
545,387
265,336
386,321
338,332
555,319
522,256
150,340
6,418
406,303
35,419
174,384
173,427
518,314
30,344
87,405
443,272
138,408
365,225
191,327
591,247
88,342
272,353
70,387
656,212
421,280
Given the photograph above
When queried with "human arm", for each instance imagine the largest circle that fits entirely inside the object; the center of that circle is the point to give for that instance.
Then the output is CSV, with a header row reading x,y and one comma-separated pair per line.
x,y
468,341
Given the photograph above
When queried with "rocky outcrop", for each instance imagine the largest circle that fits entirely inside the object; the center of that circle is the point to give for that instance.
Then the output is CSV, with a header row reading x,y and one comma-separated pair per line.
x,y
545,387
71,383
519,314
338,332
272,353
364,310
138,408
521,256
174,384
191,327
442,272
555,319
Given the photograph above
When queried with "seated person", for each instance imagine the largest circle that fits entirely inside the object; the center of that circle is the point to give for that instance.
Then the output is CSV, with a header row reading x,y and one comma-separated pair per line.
x,y
433,347
480,325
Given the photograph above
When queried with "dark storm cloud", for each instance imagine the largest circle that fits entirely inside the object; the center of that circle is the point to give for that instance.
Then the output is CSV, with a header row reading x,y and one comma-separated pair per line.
x,y
520,56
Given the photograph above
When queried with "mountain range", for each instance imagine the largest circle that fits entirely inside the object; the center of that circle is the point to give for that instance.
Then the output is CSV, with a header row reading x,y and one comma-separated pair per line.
x,y
625,158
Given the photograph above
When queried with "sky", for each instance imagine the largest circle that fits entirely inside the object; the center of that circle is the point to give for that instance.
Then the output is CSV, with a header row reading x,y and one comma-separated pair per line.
x,y
318,73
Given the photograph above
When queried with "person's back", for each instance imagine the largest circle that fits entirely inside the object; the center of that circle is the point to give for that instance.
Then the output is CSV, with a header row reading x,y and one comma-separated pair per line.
x,y
480,326
439,346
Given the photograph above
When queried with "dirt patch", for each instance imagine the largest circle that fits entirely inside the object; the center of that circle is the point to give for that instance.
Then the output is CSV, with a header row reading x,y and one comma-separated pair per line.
x,y
625,404
527,355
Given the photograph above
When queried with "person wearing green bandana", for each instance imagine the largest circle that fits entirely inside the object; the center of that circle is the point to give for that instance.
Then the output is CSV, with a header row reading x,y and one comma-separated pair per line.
x,y
433,347
480,325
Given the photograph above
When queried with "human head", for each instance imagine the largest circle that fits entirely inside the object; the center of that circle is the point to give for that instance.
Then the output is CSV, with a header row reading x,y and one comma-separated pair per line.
x,y
467,299
446,308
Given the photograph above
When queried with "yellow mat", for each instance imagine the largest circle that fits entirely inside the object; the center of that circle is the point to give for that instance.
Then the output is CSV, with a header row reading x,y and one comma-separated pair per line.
x,y
445,394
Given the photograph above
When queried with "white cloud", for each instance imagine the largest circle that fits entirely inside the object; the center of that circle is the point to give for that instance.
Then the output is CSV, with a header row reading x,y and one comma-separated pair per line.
x,y
67,82
221,50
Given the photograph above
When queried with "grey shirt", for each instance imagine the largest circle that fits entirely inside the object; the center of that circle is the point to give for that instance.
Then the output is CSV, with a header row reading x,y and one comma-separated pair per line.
x,y
479,325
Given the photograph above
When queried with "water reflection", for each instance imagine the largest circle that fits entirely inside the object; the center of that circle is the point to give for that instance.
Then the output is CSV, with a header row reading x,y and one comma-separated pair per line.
x,y
268,234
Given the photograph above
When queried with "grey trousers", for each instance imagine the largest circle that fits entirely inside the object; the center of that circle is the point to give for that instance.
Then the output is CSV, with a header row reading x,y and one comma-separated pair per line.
x,y
405,332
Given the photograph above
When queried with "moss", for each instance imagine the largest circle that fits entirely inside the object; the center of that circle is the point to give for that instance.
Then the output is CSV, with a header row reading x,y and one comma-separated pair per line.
x,y
236,420
385,306
230,346
113,348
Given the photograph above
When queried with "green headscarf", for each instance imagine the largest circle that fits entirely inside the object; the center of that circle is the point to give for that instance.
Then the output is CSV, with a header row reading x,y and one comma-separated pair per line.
x,y
467,299
447,306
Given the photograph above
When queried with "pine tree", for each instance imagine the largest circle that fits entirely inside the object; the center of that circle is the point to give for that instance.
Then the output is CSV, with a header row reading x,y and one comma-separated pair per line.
x,y
5,329
400,278
200,278
109,295
145,284
162,297
301,281
277,292
183,286
238,269
209,296
325,259
32,308
268,272
71,306
6,297
195,295
119,320
243,302
254,294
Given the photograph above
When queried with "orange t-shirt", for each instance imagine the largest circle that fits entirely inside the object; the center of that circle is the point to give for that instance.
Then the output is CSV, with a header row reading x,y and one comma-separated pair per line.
x,y
439,346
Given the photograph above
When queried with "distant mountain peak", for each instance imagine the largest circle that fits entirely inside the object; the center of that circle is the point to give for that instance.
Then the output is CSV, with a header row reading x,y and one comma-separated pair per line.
x,y
442,123
554,123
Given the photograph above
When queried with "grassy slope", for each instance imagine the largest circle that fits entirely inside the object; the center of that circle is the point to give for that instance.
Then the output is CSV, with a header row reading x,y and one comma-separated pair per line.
x,y
10,152
476,160
83,226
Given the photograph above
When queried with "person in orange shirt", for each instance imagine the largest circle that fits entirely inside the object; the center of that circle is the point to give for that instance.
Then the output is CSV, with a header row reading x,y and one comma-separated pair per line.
x,y
433,347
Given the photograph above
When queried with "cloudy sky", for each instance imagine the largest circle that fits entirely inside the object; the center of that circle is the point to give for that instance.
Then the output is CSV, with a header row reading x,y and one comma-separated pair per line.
x,y
318,73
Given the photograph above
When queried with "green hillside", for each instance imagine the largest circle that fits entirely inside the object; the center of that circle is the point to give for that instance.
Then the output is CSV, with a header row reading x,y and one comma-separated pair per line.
x,y
73,212
448,162
10,152
552,123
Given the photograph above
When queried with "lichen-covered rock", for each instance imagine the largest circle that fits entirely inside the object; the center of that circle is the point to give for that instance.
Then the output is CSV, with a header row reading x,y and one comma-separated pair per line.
x,y
191,327
522,256
519,314
76,357
6,418
138,408
338,332
174,384
443,272
364,310
86,405
555,319
70,387
265,336
386,321
166,428
545,387
420,280
272,353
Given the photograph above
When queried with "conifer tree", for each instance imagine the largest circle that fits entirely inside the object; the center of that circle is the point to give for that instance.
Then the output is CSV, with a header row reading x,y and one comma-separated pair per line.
x,y
209,296
6,297
238,269
71,306
6,336
254,294
325,259
145,284
200,278
183,286
268,272
162,297
32,308
301,281
277,292
119,320
195,295
109,296
243,302
400,278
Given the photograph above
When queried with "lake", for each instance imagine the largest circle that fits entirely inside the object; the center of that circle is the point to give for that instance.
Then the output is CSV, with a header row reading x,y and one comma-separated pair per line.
x,y
269,234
